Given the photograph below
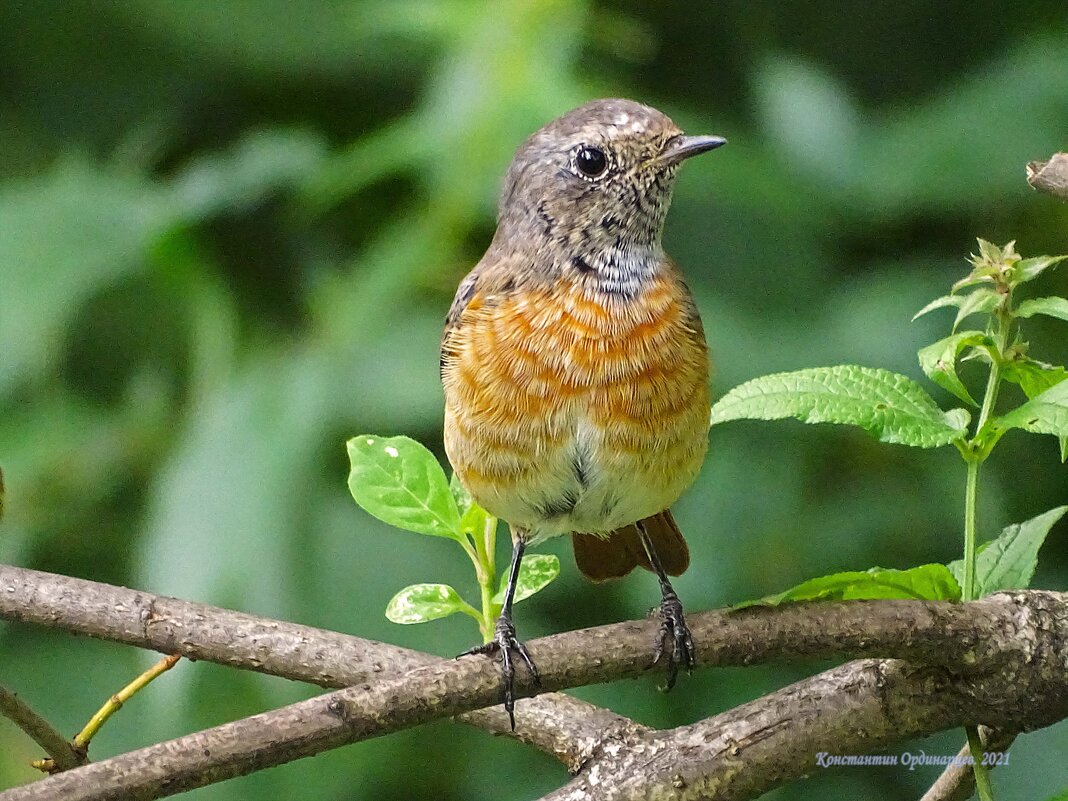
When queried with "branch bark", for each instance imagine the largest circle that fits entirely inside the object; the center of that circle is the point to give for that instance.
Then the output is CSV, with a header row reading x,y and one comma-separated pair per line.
x,y
1001,661
62,753
854,709
564,727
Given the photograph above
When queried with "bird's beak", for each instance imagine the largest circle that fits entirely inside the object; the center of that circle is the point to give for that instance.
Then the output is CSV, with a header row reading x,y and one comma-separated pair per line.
x,y
682,147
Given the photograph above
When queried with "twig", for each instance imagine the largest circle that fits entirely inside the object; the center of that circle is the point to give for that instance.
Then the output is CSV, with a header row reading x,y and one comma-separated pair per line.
x,y
115,702
62,753
957,782
1009,654
1050,176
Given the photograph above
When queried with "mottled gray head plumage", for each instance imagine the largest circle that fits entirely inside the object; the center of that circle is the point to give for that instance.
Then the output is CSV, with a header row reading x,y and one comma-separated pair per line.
x,y
594,185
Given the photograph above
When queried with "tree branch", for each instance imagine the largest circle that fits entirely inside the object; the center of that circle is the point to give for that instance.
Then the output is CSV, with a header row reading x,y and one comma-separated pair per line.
x,y
1001,661
563,727
1050,176
741,754
40,730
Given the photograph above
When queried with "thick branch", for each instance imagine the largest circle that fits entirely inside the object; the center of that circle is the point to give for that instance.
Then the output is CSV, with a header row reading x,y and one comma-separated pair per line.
x,y
1050,176
741,754
564,727
40,730
1008,655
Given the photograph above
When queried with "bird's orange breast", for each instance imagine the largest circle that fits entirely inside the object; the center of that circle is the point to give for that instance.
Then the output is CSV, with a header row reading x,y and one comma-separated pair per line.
x,y
568,411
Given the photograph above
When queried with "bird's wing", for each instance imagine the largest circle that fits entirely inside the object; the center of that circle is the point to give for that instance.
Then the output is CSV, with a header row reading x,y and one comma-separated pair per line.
x,y
491,281
464,293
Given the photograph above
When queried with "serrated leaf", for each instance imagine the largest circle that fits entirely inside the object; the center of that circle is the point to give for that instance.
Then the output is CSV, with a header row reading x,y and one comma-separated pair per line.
x,y
992,265
981,301
932,582
1046,413
991,255
401,483
891,407
1051,307
1034,378
1029,269
1008,562
536,571
976,277
419,603
939,303
939,361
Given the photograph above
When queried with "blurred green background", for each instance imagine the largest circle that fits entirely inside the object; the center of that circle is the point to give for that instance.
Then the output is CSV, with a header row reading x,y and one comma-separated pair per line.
x,y
229,233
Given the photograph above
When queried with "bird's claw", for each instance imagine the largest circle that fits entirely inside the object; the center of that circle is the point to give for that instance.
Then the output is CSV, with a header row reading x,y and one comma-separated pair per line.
x,y
504,641
673,630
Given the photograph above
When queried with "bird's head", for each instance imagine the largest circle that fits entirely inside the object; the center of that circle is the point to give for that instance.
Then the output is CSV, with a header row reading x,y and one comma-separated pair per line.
x,y
599,176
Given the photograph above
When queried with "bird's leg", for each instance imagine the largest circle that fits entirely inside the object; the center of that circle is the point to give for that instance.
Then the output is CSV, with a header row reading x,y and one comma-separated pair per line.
x,y
673,628
504,639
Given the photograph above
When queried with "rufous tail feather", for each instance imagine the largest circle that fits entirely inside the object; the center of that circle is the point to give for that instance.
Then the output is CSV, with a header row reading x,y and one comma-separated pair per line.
x,y
602,558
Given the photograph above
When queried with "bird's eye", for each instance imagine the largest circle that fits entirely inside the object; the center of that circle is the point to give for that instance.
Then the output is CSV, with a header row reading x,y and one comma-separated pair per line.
x,y
591,161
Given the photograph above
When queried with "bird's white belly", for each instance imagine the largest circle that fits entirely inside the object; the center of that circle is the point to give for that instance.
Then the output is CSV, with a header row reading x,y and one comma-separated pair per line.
x,y
582,487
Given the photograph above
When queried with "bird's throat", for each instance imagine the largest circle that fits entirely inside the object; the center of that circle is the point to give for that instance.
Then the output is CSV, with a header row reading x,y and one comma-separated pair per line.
x,y
623,271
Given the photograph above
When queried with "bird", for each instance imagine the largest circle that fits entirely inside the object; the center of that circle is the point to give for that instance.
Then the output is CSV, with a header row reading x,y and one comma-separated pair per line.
x,y
574,363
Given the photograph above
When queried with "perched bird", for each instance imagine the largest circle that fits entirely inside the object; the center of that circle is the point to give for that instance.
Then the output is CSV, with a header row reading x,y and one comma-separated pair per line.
x,y
574,362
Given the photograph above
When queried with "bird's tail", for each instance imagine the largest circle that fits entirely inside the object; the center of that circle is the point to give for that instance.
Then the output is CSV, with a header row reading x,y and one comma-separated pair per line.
x,y
602,558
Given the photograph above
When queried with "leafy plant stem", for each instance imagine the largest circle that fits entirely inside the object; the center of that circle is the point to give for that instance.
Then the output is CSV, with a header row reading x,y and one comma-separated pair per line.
x,y
970,494
982,775
482,555
472,552
977,454
1002,324
490,610
975,745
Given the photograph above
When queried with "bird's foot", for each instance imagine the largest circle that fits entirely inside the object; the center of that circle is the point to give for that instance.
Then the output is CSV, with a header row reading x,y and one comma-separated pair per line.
x,y
504,641
673,639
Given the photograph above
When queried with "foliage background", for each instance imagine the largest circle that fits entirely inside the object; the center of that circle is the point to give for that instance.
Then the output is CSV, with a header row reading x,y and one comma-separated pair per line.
x,y
228,236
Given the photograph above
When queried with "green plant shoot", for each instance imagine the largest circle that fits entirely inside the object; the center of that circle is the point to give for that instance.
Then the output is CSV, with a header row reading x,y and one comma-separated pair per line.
x,y
893,408
400,482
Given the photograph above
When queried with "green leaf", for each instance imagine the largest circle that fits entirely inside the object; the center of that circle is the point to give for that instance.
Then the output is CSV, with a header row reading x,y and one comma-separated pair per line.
x,y
1034,378
473,518
981,301
535,573
460,495
419,603
939,303
976,277
891,407
1008,562
927,582
401,483
1029,269
939,361
1051,307
1046,413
